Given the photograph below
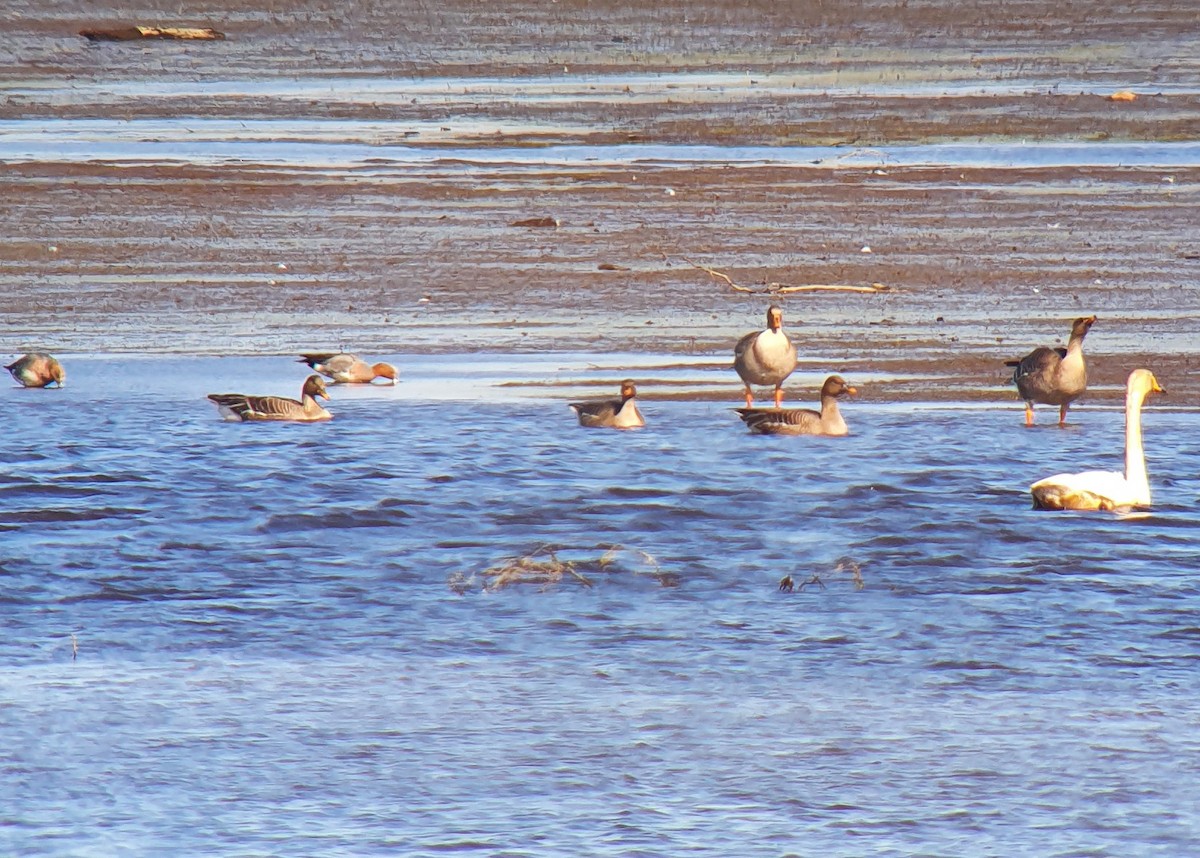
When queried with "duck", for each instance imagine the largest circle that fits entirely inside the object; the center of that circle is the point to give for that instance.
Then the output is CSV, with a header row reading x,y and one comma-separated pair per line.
x,y
1108,490
240,406
611,413
765,357
38,369
345,368
1053,376
803,421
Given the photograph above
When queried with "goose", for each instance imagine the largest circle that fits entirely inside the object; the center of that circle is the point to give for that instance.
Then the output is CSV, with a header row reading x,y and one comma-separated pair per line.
x,y
611,413
765,357
239,406
1107,489
348,369
1053,376
802,421
38,369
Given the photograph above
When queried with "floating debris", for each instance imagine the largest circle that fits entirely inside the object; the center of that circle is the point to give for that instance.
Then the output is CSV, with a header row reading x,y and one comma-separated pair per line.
x,y
536,222
547,566
844,565
129,34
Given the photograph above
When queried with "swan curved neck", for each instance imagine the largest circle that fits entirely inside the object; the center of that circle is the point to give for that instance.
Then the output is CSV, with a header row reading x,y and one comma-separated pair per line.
x,y
1135,455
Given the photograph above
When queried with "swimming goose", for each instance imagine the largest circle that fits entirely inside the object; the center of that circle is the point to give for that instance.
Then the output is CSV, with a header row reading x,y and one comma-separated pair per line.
x,y
38,369
611,413
802,421
1107,489
1053,376
765,357
348,369
239,406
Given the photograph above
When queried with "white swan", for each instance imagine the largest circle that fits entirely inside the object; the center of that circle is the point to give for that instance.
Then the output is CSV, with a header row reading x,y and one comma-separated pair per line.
x,y
1107,489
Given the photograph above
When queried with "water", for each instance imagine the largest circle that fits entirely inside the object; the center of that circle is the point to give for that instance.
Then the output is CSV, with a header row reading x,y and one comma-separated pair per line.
x,y
273,660
355,144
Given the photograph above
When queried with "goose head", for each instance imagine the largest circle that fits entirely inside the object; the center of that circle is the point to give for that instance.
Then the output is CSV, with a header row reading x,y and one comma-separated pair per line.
x,y
58,373
775,317
385,370
314,386
628,391
835,385
1082,325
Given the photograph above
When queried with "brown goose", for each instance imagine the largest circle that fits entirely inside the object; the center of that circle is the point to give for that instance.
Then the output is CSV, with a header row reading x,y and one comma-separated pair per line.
x,y
1108,489
348,369
1053,376
765,357
38,369
802,421
611,413
239,406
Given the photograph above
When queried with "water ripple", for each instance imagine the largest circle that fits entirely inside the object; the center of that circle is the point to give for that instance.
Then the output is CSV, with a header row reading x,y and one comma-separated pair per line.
x,y
244,609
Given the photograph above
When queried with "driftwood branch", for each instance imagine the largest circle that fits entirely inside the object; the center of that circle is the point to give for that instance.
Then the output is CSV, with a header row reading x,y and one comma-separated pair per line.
x,y
782,289
129,34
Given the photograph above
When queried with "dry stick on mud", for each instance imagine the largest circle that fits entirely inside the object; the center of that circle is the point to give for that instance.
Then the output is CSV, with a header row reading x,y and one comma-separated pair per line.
x,y
781,289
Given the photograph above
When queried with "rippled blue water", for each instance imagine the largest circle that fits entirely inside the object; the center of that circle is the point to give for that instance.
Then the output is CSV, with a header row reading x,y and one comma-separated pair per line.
x,y
272,660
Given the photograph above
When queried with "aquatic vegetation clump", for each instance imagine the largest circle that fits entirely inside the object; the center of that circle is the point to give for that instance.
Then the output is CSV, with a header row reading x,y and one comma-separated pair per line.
x,y
548,566
845,566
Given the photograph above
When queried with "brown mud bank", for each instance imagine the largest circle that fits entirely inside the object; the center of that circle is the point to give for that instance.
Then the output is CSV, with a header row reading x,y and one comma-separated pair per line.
x,y
236,253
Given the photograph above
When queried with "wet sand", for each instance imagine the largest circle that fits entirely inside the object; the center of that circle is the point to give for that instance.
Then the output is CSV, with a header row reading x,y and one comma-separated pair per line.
x,y
260,195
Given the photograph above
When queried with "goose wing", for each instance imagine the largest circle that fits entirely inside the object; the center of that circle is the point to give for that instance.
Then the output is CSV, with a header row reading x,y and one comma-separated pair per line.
x,y
782,421
600,412
743,346
246,407
314,358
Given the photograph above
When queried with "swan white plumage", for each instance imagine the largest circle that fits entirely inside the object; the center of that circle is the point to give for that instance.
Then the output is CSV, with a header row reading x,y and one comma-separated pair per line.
x,y
1108,489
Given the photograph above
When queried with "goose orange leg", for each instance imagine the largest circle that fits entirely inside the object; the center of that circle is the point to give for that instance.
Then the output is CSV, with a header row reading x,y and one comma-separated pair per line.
x,y
1028,414
1062,414
749,397
779,396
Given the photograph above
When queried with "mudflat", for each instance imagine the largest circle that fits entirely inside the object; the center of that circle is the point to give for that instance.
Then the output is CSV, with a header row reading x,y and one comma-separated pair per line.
x,y
459,177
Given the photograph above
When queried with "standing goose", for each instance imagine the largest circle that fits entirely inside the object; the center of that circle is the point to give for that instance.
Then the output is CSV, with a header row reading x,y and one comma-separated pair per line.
x,y
1107,489
239,406
38,369
611,413
1053,376
765,357
348,369
802,421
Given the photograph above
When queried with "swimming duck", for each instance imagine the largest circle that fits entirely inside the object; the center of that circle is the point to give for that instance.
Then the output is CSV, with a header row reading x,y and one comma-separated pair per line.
x,y
348,369
1053,376
765,357
239,406
611,413
802,421
38,369
1107,489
